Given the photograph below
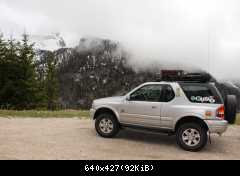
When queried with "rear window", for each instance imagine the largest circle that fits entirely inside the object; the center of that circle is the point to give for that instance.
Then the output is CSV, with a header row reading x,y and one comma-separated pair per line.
x,y
201,93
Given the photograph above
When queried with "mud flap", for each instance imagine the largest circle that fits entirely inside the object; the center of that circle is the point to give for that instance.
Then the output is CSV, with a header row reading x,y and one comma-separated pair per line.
x,y
209,138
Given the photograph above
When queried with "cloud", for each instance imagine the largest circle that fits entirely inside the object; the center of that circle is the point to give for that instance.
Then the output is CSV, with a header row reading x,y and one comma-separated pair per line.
x,y
14,21
173,33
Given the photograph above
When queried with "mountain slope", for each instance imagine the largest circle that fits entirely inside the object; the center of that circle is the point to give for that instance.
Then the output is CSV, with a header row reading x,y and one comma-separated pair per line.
x,y
48,42
99,68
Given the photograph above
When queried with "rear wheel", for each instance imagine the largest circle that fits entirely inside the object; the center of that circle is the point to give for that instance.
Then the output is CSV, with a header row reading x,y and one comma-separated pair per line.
x,y
191,137
107,125
231,109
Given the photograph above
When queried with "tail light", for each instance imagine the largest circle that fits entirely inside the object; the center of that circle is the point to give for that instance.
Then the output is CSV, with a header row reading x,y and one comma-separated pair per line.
x,y
220,112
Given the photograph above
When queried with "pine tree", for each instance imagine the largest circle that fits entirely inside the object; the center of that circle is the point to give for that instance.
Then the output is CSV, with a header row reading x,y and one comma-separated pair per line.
x,y
51,82
19,87
27,84
3,50
9,75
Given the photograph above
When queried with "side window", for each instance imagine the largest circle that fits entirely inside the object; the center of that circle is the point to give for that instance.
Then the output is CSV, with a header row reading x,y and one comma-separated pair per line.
x,y
201,93
151,93
168,93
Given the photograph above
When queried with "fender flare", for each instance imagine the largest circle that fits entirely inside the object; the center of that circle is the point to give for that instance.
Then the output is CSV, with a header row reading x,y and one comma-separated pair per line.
x,y
114,111
190,117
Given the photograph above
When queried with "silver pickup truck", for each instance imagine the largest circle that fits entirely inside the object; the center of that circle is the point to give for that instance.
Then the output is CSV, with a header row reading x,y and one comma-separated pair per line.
x,y
191,111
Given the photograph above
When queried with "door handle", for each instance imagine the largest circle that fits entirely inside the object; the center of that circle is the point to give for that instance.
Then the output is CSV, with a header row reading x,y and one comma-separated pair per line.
x,y
154,107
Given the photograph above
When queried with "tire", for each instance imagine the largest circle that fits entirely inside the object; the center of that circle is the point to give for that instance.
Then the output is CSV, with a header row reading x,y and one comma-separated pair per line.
x,y
231,108
200,139
107,125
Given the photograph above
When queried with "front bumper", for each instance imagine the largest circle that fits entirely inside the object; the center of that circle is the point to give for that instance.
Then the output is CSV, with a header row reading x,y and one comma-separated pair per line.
x,y
217,126
92,113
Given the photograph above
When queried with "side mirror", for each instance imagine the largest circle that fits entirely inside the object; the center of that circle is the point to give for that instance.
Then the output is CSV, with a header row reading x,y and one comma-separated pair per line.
x,y
128,97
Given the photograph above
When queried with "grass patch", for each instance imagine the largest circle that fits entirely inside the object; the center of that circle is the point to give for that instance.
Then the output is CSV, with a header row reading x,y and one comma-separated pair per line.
x,y
238,119
82,114
45,114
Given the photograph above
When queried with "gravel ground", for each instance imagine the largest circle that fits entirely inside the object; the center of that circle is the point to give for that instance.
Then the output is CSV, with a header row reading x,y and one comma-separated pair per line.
x,y
35,139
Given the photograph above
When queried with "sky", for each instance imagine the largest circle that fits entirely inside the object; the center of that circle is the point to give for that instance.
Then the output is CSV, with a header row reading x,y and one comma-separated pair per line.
x,y
201,34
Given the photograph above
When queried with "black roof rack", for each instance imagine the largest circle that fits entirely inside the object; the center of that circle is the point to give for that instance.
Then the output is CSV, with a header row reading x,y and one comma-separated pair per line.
x,y
181,76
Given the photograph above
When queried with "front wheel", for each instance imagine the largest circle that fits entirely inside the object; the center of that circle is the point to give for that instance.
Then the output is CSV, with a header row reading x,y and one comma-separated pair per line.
x,y
107,125
192,137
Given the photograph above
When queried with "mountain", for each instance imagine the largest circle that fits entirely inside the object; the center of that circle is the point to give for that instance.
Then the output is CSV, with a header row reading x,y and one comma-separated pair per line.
x,y
48,42
99,68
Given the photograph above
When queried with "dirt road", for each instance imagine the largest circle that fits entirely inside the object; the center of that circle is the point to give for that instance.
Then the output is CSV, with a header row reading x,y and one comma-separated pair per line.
x,y
76,139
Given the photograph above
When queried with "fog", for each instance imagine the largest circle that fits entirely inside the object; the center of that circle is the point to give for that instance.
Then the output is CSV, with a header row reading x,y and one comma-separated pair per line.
x,y
202,34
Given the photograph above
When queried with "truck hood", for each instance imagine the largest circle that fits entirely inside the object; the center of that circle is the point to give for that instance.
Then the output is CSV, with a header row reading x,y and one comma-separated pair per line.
x,y
108,100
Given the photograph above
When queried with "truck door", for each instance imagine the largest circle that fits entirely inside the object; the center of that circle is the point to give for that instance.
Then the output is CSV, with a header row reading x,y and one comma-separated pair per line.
x,y
143,106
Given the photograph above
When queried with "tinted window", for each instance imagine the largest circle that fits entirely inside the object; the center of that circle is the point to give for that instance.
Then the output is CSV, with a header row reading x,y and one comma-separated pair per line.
x,y
168,93
150,93
201,93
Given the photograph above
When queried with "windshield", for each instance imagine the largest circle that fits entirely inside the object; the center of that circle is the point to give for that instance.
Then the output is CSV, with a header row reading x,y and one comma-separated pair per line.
x,y
121,93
